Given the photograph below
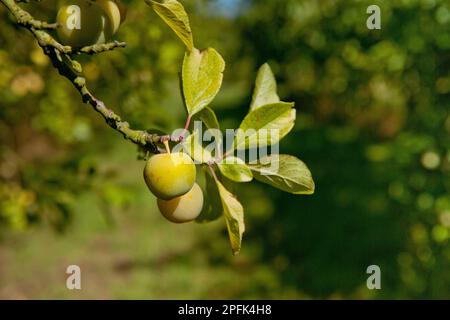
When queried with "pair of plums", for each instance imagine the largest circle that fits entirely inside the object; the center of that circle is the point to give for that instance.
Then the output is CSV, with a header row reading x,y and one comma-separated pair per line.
x,y
87,22
171,178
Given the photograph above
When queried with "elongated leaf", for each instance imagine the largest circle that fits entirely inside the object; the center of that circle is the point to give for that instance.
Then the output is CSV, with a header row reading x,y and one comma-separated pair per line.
x,y
202,76
266,125
265,88
208,117
234,217
213,133
173,14
284,172
235,169
212,207
192,145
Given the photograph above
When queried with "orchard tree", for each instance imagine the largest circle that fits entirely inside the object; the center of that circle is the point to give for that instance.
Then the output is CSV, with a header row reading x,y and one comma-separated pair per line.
x,y
191,181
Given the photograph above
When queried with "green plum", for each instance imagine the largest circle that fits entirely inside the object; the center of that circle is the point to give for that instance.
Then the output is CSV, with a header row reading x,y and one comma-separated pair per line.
x,y
80,23
112,23
183,209
170,175
123,10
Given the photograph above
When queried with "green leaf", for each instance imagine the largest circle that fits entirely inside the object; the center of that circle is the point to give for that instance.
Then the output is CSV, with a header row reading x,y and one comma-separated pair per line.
x,y
213,133
235,169
208,117
257,125
202,76
284,172
265,88
212,207
174,15
234,217
192,145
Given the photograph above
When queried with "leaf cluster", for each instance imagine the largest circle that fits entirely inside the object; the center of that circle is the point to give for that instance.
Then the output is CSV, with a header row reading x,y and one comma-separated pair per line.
x,y
201,80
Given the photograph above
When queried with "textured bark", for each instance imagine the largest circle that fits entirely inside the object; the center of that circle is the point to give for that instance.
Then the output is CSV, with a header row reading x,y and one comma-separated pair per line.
x,y
62,59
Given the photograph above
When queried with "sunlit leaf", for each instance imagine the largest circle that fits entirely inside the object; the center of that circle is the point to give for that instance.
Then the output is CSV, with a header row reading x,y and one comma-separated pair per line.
x,y
202,76
174,15
284,172
234,217
265,88
235,169
266,125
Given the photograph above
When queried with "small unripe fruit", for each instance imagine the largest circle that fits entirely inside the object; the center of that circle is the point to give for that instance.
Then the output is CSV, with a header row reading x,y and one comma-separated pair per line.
x,y
170,175
123,10
113,13
185,208
80,23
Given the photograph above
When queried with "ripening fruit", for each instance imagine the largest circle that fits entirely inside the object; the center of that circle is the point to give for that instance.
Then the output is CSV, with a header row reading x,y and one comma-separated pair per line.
x,y
123,10
113,13
80,23
170,175
185,208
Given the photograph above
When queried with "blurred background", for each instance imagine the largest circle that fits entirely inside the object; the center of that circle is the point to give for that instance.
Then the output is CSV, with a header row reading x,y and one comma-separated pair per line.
x,y
373,126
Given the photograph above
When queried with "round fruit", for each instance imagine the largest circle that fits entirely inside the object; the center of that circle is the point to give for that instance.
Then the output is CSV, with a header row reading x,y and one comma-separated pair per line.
x,y
113,13
80,23
185,208
170,175
123,10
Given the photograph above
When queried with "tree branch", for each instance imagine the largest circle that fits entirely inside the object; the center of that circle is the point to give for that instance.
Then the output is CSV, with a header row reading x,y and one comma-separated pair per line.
x,y
60,57
98,48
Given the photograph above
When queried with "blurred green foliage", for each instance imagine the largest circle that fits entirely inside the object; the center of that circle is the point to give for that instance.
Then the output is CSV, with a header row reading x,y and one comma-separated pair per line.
x,y
373,125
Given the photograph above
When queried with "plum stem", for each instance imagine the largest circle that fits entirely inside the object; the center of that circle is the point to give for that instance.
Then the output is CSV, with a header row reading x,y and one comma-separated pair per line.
x,y
186,129
188,122
166,145
213,172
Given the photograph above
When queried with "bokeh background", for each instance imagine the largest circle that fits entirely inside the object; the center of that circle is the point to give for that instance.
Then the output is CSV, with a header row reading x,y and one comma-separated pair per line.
x,y
373,126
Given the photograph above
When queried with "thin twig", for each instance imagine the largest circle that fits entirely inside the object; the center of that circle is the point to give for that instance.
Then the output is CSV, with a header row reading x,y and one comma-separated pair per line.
x,y
71,69
98,48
